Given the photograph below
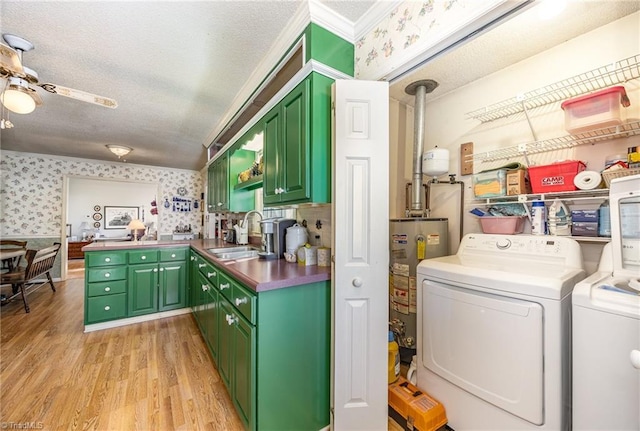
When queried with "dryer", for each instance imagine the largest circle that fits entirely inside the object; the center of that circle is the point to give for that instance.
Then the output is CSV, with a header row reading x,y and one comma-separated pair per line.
x,y
494,331
606,324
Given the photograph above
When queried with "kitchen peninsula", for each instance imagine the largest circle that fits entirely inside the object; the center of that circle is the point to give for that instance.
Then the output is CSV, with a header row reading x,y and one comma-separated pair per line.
x,y
267,323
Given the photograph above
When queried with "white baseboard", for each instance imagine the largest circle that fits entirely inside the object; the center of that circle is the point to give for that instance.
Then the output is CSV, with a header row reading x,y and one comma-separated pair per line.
x,y
137,319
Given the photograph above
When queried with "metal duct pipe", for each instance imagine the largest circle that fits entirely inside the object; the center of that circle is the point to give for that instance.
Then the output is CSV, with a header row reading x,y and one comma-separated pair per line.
x,y
420,90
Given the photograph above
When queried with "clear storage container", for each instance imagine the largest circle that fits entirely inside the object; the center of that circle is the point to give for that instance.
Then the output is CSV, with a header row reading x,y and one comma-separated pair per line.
x,y
596,110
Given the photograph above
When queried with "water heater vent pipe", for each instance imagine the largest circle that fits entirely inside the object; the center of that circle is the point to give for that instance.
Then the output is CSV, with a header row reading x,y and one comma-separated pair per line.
x,y
420,90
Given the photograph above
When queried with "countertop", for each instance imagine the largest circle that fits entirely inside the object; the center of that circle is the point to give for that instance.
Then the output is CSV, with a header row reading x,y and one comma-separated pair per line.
x,y
258,274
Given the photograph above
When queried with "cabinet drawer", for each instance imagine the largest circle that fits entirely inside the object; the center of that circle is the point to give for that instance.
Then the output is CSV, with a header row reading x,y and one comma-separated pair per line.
x,y
225,285
209,272
143,256
106,258
107,307
173,254
245,302
106,288
107,274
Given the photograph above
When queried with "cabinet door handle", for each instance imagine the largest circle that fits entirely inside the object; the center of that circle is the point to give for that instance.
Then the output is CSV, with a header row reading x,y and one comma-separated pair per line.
x,y
161,269
107,259
202,265
107,275
143,257
192,258
240,301
205,287
107,308
224,286
211,274
107,289
173,255
219,204
231,319
155,269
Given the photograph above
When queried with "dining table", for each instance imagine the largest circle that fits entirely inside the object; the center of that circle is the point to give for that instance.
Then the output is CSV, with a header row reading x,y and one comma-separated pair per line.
x,y
10,256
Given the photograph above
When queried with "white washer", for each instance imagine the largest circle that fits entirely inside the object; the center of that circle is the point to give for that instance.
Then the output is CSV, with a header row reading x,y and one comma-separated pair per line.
x,y
606,324
494,331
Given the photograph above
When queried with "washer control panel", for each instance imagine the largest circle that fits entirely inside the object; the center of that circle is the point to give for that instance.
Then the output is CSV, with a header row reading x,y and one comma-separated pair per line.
x,y
533,245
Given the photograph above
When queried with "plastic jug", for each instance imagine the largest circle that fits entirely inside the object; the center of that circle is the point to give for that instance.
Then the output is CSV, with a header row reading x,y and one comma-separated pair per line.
x,y
295,238
394,359
412,374
559,219
604,220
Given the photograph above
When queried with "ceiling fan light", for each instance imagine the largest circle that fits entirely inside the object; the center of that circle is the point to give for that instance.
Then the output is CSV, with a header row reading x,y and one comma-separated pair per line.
x,y
119,150
17,99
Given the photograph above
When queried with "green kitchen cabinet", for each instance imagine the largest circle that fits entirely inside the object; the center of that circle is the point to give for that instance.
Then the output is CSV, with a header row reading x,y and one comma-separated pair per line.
x,y
172,278
105,286
218,184
143,289
297,151
259,334
157,286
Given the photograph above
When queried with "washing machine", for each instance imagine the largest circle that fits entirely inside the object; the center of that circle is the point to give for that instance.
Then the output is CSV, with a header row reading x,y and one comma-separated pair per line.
x,y
606,324
494,331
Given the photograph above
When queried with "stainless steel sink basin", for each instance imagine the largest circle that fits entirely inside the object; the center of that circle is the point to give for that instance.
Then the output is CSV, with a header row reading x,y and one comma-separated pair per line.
x,y
230,253
236,254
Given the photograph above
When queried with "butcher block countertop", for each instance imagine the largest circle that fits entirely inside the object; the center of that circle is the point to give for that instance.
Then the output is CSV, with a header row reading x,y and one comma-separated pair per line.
x,y
258,274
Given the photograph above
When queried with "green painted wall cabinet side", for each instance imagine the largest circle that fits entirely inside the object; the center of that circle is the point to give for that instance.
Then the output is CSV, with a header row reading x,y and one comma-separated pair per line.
x,y
329,49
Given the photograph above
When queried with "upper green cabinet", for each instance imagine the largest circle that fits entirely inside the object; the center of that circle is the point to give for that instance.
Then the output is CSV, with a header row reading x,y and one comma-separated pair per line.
x,y
297,146
218,188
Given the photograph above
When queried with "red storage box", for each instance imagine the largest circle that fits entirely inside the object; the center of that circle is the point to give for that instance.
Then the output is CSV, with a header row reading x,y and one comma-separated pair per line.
x,y
595,110
556,177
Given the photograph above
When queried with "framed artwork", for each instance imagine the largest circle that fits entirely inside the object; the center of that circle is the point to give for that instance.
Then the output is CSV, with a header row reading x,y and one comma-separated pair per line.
x,y
119,217
97,216
96,208
96,224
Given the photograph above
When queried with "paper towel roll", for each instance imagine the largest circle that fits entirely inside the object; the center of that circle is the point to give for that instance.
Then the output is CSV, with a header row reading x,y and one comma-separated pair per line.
x,y
587,180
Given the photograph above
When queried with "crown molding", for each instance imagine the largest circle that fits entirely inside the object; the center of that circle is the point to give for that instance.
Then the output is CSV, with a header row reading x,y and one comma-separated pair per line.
x,y
330,20
376,14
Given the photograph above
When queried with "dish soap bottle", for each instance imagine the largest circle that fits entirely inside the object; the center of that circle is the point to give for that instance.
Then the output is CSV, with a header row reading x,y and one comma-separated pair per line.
x,y
604,219
559,220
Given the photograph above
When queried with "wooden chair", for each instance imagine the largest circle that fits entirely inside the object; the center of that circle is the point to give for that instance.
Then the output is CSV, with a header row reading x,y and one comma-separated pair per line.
x,y
39,262
10,243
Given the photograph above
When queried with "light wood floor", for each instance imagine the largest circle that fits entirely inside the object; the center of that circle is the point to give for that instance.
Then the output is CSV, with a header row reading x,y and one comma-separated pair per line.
x,y
150,376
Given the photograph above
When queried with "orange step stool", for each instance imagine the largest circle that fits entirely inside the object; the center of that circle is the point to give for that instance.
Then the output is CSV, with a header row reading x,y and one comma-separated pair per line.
x,y
413,409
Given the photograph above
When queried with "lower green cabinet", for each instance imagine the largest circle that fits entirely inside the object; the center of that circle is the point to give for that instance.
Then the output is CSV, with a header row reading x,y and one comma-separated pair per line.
x,y
143,289
272,349
135,282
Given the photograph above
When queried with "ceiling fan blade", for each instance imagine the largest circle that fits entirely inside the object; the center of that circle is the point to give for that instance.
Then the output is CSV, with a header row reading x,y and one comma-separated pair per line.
x,y
80,95
10,63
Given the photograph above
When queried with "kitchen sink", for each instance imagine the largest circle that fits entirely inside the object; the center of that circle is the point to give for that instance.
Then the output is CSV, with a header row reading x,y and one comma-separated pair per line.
x,y
230,253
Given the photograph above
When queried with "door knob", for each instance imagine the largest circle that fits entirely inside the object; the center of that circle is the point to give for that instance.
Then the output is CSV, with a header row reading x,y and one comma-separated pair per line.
x,y
357,282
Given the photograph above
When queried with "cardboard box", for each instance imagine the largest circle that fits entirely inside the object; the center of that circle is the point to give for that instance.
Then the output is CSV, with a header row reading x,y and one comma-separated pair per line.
x,y
584,229
518,182
590,216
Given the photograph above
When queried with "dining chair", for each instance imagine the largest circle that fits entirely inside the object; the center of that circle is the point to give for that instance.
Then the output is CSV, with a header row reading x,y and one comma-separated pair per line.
x,y
24,280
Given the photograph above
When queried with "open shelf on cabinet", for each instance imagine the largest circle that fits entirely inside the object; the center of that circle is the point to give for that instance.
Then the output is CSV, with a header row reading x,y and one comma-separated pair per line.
x,y
602,77
251,184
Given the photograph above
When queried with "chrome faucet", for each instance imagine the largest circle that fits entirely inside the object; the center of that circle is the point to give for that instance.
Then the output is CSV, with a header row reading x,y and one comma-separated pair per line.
x,y
246,216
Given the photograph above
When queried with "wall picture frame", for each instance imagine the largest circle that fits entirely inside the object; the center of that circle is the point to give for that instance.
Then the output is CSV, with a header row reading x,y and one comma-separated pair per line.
x,y
119,217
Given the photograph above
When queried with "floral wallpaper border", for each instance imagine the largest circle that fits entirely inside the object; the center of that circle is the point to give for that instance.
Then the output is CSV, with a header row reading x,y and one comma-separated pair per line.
x,y
411,29
31,191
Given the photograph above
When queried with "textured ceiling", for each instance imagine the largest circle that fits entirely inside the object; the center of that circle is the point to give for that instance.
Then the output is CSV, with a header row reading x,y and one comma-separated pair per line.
x,y
175,67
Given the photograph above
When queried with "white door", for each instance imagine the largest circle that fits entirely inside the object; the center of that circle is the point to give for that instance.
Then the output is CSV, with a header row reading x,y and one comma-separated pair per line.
x,y
360,222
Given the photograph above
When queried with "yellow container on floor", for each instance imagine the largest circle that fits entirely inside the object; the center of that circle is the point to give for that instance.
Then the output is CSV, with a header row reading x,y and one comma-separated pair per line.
x,y
394,359
413,409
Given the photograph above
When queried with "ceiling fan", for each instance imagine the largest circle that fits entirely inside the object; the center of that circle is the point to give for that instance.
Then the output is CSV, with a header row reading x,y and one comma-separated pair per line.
x,y
19,94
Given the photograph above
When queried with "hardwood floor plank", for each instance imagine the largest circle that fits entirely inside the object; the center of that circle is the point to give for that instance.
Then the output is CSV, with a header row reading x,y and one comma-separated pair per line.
x,y
155,375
